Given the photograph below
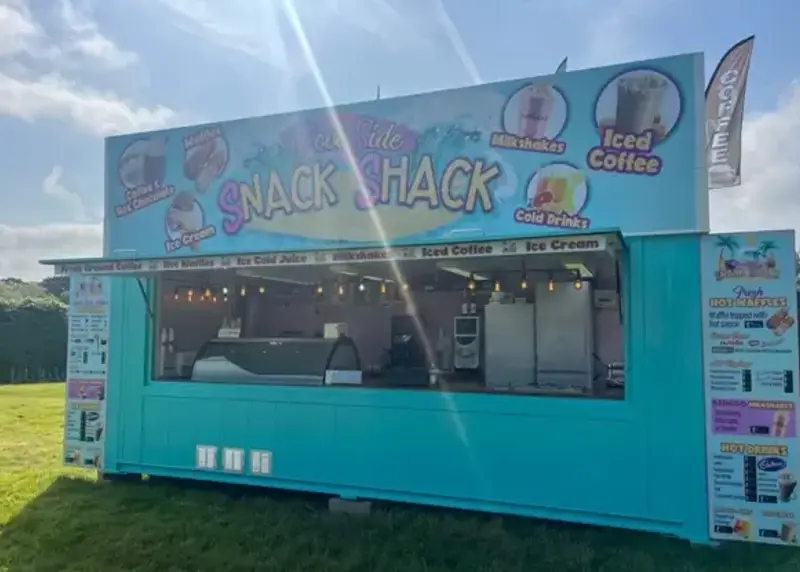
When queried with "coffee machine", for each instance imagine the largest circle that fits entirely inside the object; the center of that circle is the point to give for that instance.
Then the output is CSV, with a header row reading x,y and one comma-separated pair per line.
x,y
467,343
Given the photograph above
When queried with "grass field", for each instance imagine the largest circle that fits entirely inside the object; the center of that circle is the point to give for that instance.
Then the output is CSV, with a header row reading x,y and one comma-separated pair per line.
x,y
54,519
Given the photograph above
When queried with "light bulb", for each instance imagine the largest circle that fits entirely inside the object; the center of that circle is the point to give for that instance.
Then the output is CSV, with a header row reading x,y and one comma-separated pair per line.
x,y
341,290
551,286
207,293
177,296
405,286
496,285
190,293
261,290
319,290
578,284
361,287
243,291
471,283
225,290
214,299
524,284
383,287
224,298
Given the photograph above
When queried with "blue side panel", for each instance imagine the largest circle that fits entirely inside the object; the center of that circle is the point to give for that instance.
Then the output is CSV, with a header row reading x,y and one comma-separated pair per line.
x,y
638,463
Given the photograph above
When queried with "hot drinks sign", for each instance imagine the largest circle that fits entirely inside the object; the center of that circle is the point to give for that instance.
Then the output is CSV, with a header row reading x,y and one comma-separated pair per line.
x,y
751,369
608,148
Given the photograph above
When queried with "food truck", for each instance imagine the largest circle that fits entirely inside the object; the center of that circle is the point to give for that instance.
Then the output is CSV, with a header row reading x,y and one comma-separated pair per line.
x,y
501,298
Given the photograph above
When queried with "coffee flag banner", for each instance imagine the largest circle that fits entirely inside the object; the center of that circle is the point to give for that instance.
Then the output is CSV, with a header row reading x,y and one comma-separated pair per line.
x,y
562,67
725,96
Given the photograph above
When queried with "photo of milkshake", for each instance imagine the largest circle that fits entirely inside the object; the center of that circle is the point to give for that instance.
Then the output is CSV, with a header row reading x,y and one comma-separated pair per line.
x,y
780,423
787,483
535,106
789,532
639,101
536,111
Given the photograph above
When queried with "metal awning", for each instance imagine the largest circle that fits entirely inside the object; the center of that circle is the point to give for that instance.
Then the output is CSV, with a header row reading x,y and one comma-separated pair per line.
x,y
610,241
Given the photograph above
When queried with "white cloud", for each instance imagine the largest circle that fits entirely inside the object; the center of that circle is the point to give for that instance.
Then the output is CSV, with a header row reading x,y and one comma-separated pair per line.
x,y
21,247
72,202
84,38
19,32
770,195
53,97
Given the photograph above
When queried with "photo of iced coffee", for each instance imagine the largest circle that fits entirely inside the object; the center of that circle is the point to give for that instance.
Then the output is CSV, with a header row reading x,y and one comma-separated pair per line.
x,y
536,111
787,483
639,101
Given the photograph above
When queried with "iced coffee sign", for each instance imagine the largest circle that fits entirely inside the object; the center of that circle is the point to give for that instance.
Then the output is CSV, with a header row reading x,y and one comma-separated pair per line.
x,y
751,360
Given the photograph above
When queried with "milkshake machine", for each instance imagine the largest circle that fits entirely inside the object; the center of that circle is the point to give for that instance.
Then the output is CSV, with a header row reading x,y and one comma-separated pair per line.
x,y
467,343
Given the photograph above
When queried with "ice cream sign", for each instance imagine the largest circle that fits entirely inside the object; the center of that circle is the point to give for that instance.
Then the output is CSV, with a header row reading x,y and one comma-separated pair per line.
x,y
634,113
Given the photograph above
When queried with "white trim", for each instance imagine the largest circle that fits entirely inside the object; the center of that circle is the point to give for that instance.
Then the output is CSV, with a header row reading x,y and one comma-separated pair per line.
x,y
561,244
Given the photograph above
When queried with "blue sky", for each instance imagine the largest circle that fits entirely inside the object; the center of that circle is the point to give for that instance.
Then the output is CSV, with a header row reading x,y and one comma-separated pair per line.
x,y
74,71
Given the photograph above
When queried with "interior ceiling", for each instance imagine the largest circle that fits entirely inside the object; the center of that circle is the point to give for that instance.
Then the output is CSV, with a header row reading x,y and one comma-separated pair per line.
x,y
599,264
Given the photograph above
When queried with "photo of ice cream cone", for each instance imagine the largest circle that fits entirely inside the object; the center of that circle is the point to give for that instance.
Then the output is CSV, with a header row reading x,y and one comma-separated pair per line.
x,y
185,215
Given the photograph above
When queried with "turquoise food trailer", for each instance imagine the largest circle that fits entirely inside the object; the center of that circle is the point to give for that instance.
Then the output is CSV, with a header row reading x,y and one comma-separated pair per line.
x,y
486,298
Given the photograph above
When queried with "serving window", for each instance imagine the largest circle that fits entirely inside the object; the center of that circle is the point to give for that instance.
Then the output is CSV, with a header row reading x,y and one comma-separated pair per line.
x,y
528,324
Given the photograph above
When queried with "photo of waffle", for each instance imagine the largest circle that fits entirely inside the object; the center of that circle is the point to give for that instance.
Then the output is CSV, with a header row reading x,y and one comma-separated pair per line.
x,y
780,322
185,215
205,162
639,101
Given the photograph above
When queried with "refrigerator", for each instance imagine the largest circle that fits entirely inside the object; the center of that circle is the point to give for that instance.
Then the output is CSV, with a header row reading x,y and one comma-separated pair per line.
x,y
509,345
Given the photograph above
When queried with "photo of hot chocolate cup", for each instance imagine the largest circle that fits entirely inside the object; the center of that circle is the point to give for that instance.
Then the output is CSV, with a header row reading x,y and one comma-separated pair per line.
x,y
184,216
205,162
787,483
143,163
788,532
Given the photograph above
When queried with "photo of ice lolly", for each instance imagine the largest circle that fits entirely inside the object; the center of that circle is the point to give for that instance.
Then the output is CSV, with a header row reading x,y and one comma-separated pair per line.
x,y
535,107
639,101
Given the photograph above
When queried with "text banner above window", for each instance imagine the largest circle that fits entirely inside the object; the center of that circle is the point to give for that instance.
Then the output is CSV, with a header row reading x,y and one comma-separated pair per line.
x,y
538,246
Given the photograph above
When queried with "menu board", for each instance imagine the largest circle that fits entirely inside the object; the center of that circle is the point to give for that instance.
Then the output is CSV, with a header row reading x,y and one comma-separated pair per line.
x,y
87,371
750,373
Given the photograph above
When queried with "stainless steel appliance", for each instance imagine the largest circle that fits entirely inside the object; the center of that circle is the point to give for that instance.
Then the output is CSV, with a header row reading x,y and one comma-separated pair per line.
x,y
467,343
509,345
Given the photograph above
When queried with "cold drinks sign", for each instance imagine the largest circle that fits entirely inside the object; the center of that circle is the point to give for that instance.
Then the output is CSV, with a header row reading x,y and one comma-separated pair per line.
x,y
751,369
608,148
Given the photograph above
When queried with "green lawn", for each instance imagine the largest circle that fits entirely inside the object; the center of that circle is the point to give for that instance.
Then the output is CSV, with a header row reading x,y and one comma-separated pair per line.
x,y
54,519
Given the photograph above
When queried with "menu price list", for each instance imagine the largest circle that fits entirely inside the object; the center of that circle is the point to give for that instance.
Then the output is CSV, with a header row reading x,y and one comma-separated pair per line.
x,y
87,371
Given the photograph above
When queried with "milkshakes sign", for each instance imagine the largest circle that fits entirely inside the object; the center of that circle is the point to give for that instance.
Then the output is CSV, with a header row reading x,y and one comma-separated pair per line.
x,y
592,150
